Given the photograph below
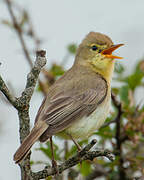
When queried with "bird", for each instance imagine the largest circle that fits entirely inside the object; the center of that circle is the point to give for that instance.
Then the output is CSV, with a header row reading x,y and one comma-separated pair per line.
x,y
78,103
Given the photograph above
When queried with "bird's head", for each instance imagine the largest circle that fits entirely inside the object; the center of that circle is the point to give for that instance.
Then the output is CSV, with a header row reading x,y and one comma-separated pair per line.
x,y
96,49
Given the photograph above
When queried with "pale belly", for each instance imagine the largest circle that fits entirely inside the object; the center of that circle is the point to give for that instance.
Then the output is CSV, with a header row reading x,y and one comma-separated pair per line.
x,y
88,125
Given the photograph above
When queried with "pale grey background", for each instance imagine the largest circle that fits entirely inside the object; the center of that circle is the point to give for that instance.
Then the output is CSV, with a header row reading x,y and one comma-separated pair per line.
x,y
60,23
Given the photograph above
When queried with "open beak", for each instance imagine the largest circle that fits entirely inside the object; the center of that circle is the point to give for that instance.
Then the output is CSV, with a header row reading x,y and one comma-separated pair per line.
x,y
108,52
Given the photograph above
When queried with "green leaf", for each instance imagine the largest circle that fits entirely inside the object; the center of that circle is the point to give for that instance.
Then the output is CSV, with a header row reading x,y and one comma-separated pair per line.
x,y
32,162
38,88
57,70
72,48
49,178
85,168
135,79
115,90
123,92
105,132
24,19
119,69
47,150
71,152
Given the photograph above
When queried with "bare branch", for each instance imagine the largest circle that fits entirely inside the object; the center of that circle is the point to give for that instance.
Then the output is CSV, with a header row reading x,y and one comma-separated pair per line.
x,y
118,137
22,105
23,101
32,77
30,85
79,157
4,89
19,32
108,123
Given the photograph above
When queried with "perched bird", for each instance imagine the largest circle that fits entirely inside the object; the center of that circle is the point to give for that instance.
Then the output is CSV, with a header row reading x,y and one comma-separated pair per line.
x,y
78,103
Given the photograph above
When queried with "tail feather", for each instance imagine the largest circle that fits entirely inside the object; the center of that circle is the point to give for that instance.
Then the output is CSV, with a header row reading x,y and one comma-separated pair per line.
x,y
37,131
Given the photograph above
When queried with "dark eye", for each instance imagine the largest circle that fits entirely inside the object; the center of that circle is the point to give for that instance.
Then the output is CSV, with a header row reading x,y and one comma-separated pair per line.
x,y
94,48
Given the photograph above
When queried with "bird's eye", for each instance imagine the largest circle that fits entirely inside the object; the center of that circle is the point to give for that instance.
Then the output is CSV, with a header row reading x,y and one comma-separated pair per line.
x,y
94,48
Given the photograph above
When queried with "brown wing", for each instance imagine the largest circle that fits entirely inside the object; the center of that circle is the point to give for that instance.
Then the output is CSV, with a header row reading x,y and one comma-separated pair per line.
x,y
65,108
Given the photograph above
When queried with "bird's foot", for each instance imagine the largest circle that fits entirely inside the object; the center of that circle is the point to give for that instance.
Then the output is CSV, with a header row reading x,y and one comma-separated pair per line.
x,y
55,166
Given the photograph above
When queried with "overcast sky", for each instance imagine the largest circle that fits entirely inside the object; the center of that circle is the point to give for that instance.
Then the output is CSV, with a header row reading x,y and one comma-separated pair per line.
x,y
59,23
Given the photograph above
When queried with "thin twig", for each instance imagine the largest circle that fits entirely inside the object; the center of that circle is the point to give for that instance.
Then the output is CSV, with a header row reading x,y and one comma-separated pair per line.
x,y
65,149
19,32
33,76
108,123
4,89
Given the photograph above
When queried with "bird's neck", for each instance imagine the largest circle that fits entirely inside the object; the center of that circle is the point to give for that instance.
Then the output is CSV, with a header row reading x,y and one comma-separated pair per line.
x,y
106,70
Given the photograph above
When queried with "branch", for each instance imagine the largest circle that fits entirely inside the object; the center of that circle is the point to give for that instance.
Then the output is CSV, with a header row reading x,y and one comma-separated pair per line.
x,y
33,77
24,100
118,122
84,154
108,123
30,85
4,89
118,137
19,32
22,105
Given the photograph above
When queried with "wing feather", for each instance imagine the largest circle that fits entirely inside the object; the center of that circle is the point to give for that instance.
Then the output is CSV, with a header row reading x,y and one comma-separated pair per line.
x,y
70,108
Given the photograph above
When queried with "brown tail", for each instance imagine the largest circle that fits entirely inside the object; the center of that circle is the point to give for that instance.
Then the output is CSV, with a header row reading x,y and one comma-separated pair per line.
x,y
26,145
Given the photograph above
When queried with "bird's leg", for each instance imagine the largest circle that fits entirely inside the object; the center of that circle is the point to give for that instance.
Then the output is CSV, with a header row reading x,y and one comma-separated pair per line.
x,y
54,163
77,145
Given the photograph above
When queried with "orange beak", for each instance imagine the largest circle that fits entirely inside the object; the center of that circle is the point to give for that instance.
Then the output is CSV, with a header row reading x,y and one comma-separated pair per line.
x,y
108,52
